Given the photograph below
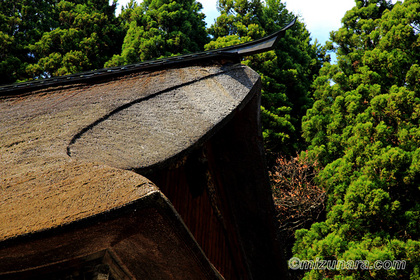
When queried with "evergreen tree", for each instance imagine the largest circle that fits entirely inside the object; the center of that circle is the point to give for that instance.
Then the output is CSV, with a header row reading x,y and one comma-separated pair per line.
x,y
22,23
161,28
364,127
286,73
85,35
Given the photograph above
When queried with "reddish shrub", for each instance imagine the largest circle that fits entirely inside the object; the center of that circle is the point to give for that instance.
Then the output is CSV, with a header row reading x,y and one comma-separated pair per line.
x,y
298,200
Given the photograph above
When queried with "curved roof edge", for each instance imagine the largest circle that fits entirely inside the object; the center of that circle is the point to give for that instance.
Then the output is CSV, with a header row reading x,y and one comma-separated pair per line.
x,y
154,209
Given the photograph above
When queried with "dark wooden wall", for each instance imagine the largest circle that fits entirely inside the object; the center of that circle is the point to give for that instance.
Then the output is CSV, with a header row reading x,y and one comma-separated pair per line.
x,y
191,188
222,193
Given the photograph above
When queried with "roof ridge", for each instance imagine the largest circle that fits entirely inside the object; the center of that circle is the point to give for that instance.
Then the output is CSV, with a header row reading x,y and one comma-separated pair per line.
x,y
233,52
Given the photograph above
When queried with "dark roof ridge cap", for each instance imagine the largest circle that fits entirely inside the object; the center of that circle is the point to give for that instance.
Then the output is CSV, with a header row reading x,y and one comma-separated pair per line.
x,y
232,52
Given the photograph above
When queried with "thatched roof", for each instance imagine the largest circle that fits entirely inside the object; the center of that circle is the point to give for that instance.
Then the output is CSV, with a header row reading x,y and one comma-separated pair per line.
x,y
66,151
72,151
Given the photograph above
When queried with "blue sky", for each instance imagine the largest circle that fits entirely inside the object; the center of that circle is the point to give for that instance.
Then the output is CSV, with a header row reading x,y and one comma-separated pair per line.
x,y
320,16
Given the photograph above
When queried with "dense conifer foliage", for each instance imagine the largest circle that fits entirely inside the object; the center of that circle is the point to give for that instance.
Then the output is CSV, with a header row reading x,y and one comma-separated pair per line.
x,y
22,23
364,128
52,38
84,38
161,28
46,38
287,72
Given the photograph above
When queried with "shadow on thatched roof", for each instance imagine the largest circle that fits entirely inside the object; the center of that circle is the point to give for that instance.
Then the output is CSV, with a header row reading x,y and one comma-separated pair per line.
x,y
73,157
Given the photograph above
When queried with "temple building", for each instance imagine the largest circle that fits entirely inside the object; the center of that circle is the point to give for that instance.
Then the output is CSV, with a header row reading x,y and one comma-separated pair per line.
x,y
148,171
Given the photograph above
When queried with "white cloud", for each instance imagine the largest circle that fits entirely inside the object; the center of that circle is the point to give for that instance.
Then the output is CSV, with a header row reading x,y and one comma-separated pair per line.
x,y
321,16
320,13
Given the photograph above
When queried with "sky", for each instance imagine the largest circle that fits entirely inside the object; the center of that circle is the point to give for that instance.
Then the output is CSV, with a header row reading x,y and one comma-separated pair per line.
x,y
320,16
319,20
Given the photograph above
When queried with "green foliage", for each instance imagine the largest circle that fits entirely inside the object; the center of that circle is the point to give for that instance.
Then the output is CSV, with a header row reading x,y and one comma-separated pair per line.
x,y
51,37
86,36
21,23
364,128
286,73
161,28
